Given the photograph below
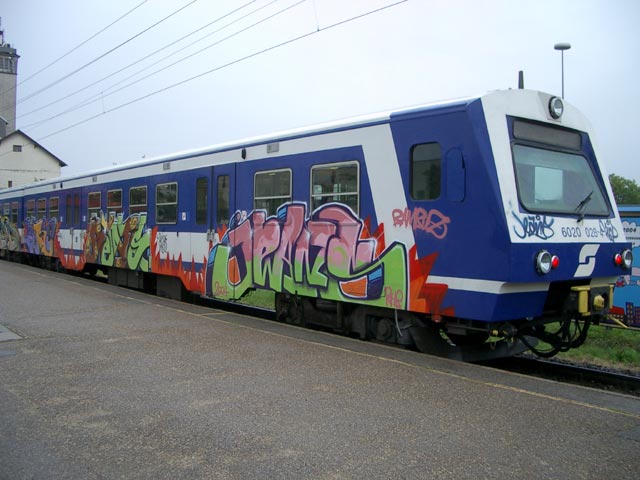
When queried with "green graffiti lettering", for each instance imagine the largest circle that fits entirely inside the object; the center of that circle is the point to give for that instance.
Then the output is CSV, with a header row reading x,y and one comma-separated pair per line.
x,y
126,244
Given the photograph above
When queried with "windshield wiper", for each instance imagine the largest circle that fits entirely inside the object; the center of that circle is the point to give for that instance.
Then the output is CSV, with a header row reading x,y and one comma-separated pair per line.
x,y
581,206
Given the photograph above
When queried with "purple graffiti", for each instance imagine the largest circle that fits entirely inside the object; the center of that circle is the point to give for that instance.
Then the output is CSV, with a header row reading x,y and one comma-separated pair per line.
x,y
38,236
29,237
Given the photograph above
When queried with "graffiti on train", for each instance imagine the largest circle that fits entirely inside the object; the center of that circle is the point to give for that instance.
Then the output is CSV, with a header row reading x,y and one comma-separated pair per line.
x,y
9,235
326,254
118,242
432,221
39,235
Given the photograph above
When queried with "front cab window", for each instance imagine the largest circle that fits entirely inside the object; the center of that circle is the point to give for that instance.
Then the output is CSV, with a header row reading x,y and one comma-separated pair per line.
x,y
553,175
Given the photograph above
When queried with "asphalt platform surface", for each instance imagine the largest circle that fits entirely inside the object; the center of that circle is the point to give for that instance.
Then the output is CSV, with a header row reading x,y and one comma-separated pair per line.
x,y
105,383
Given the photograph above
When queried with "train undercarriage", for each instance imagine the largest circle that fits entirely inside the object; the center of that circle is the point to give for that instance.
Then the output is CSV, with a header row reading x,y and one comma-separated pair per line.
x,y
454,338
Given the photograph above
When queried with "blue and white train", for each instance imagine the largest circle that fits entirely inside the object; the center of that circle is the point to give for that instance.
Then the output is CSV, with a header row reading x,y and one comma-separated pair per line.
x,y
470,229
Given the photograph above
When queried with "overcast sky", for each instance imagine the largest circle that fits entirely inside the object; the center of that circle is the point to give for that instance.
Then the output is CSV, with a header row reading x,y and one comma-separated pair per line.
x,y
411,53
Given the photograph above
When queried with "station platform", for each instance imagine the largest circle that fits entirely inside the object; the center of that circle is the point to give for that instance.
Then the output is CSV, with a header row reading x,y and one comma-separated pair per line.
x,y
98,381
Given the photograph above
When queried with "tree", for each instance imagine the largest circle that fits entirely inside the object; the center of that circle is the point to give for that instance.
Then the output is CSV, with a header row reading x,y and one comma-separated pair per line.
x,y
625,191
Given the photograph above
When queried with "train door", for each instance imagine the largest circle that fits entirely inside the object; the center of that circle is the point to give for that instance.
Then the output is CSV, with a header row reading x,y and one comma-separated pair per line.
x,y
454,205
433,151
224,179
201,225
222,273
71,234
74,220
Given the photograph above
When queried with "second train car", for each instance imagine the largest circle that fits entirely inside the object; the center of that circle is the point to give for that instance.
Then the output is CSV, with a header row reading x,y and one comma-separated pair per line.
x,y
469,229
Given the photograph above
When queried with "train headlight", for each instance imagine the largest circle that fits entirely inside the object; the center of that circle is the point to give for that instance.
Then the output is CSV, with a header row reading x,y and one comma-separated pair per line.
x,y
556,107
626,259
544,262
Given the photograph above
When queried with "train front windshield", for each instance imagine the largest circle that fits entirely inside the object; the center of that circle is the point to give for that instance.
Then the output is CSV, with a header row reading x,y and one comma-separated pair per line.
x,y
552,173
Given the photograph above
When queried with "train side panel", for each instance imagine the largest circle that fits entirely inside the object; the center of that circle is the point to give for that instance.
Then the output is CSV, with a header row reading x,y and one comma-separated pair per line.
x,y
308,223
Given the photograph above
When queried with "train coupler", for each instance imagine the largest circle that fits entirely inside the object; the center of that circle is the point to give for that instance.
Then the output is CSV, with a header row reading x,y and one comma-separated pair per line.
x,y
505,330
591,299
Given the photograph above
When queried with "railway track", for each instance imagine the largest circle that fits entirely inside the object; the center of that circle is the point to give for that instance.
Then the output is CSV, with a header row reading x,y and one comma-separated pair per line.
x,y
587,375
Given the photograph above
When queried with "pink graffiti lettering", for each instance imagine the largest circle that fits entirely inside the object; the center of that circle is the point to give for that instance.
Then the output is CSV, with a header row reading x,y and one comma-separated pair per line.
x,y
393,299
296,249
346,252
432,221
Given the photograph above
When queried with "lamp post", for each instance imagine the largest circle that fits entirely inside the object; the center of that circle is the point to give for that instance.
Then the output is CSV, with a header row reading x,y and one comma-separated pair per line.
x,y
562,47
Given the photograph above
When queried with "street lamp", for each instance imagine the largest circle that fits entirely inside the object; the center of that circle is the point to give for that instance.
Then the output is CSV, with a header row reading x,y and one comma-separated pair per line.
x,y
562,47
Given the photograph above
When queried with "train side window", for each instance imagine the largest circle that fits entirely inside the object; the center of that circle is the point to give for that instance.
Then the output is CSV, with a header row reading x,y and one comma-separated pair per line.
x,y
41,211
114,202
137,200
426,171
94,202
222,212
54,208
31,208
167,203
202,200
271,189
76,209
335,183
14,213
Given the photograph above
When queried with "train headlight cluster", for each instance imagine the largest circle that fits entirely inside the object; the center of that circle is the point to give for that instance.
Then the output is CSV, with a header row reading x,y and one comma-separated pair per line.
x,y
624,259
556,107
545,262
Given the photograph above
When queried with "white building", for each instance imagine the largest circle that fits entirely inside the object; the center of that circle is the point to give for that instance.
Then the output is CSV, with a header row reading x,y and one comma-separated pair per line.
x,y
23,160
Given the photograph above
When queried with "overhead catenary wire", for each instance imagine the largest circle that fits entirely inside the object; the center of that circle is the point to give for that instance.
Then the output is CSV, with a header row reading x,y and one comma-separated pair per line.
x,y
221,67
101,56
11,89
149,55
226,65
101,95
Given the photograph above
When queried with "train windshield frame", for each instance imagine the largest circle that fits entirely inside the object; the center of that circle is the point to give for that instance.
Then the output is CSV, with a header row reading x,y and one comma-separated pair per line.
x,y
553,174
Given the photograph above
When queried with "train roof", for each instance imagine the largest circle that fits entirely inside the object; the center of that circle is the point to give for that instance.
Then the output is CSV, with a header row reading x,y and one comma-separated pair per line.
x,y
327,127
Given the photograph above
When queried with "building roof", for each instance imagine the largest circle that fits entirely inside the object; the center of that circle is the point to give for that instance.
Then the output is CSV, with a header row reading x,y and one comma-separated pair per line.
x,y
31,141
